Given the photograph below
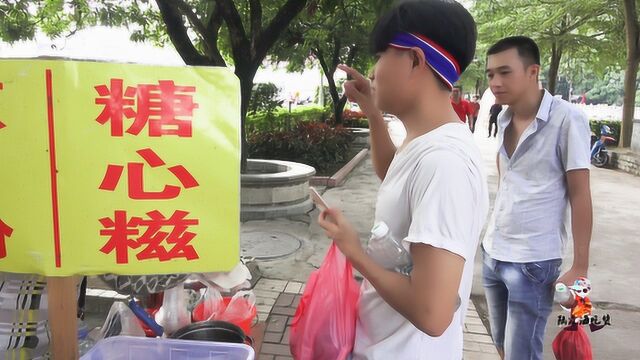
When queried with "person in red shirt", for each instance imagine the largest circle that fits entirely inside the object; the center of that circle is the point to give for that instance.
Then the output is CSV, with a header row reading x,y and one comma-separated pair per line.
x,y
474,106
460,105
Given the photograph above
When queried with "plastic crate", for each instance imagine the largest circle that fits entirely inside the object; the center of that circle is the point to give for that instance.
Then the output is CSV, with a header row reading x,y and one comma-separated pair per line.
x,y
137,348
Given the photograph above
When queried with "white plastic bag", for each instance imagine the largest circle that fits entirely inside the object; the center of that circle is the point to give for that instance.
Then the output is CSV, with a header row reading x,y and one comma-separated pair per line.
x,y
213,304
120,321
240,307
173,314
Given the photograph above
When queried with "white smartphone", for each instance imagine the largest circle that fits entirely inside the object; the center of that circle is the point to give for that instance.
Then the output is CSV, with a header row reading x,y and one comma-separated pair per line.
x,y
317,199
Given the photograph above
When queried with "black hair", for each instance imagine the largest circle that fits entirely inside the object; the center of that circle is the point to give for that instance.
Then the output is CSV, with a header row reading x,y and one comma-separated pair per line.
x,y
527,48
446,22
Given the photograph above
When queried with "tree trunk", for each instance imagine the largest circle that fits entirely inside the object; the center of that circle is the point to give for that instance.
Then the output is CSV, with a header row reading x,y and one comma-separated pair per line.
x,y
335,99
246,87
554,66
333,89
338,109
632,29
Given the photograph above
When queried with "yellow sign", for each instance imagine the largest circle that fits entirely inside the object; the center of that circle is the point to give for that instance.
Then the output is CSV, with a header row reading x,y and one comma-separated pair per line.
x,y
112,168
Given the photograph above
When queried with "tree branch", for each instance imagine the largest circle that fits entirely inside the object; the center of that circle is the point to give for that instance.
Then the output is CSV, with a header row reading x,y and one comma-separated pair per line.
x,y
208,35
272,32
178,34
632,27
328,73
213,28
335,59
240,45
256,20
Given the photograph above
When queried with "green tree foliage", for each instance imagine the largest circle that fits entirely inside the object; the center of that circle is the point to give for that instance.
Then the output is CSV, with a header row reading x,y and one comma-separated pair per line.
x,y
337,32
584,29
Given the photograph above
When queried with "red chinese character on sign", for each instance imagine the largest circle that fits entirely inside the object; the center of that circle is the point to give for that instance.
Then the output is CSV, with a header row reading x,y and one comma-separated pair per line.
x,y
120,232
167,109
135,178
179,237
123,235
5,232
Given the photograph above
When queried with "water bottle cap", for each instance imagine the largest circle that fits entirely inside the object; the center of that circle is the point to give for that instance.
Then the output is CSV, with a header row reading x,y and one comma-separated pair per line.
x,y
380,230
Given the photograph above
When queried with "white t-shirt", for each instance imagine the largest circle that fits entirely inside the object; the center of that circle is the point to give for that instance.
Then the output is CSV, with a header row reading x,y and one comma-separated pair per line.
x,y
435,192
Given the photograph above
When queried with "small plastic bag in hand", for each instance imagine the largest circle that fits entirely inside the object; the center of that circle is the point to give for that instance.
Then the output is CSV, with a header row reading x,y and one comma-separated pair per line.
x,y
324,324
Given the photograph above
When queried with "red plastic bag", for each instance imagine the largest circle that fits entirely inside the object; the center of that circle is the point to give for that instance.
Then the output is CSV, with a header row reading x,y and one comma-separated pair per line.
x,y
572,343
324,325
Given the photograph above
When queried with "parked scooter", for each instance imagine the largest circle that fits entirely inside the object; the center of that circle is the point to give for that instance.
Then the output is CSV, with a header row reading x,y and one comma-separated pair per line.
x,y
599,153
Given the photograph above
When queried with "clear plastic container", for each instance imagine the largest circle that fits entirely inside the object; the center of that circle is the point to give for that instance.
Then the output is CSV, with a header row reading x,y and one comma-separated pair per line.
x,y
387,251
85,343
135,348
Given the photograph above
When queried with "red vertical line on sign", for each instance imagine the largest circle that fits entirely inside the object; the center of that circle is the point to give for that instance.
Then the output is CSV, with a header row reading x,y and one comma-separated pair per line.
x,y
54,169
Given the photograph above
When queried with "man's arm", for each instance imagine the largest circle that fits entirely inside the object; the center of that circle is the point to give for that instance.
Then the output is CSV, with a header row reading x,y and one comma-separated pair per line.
x,y
382,148
581,223
428,298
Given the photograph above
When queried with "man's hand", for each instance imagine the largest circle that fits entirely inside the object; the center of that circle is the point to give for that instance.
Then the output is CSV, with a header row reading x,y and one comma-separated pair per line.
x,y
338,228
570,276
358,90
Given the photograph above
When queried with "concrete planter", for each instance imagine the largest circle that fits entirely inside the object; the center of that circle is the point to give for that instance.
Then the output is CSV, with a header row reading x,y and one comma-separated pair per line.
x,y
360,137
273,189
635,137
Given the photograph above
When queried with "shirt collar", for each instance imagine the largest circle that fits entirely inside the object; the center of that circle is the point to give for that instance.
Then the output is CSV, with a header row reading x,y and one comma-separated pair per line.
x,y
544,111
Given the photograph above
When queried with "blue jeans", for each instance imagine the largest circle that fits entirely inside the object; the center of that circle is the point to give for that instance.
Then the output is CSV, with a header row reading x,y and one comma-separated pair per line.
x,y
520,298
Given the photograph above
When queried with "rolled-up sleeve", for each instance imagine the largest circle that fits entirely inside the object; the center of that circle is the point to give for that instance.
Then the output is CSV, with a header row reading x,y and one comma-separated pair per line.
x,y
575,141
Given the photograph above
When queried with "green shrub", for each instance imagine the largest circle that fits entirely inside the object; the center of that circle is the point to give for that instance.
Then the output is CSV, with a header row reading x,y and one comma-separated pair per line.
x,y
264,98
613,124
312,143
282,119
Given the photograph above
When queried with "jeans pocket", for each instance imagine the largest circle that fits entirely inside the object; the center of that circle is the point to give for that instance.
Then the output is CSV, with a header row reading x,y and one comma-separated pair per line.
x,y
534,271
542,272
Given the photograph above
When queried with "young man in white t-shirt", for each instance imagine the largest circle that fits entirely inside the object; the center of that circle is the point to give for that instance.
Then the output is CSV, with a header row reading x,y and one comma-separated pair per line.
x,y
543,164
433,196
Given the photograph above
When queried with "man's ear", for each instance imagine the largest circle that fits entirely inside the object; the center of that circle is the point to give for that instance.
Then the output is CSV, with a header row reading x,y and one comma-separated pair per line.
x,y
534,71
418,57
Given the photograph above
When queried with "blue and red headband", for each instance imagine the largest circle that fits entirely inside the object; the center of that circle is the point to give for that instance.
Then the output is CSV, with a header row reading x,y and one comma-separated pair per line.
x,y
442,63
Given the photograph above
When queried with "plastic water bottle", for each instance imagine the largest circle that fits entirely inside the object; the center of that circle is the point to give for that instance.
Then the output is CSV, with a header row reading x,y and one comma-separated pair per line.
x,y
84,341
386,251
563,295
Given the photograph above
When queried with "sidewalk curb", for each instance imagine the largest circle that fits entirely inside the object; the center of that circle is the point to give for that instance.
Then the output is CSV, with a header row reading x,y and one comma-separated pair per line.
x,y
340,176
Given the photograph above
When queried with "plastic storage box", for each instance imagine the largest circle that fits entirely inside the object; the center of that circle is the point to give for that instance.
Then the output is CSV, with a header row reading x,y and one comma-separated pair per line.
x,y
137,348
